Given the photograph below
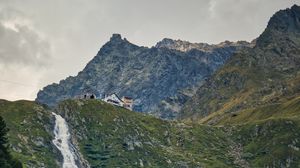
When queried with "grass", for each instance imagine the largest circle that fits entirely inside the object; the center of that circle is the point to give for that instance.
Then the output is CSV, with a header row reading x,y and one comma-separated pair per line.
x,y
289,110
270,143
112,136
27,122
268,137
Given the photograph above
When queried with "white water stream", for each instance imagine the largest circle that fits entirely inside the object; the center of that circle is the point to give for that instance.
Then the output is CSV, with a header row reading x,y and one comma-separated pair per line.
x,y
62,142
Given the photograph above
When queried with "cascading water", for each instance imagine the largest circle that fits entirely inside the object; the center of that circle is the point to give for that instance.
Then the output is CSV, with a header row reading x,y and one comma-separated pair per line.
x,y
62,142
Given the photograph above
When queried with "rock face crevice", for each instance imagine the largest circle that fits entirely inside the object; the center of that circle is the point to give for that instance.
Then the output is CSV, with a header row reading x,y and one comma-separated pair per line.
x,y
160,79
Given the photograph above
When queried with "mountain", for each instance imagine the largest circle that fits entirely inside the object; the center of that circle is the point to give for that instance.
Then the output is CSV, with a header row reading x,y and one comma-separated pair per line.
x,y
159,79
246,114
264,76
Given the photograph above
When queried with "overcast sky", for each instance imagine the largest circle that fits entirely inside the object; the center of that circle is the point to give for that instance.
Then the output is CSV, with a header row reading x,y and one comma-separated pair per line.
x,y
44,41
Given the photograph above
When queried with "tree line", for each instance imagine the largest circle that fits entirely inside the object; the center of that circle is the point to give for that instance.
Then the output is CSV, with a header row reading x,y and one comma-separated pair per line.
x,y
6,159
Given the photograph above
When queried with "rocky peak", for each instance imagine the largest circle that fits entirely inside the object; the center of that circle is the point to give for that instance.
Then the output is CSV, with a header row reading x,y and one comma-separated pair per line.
x,y
284,24
116,43
286,20
185,46
264,72
166,43
181,45
116,37
235,44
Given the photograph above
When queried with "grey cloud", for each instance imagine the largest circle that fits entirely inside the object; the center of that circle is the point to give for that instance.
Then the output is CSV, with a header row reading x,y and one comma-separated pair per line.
x,y
21,45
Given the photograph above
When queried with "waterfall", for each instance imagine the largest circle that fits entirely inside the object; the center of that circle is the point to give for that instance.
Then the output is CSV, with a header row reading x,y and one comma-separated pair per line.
x,y
62,141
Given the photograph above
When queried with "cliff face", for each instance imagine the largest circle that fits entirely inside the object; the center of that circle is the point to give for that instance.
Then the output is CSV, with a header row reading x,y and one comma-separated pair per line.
x,y
267,74
156,78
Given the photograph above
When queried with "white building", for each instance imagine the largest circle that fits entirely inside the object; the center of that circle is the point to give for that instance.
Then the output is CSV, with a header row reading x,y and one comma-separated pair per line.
x,y
114,99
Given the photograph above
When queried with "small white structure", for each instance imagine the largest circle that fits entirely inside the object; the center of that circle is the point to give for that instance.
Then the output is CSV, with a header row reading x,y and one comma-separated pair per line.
x,y
114,99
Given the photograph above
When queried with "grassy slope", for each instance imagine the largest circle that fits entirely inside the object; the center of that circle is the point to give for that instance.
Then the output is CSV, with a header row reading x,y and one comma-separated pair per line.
x,y
269,135
270,143
289,109
109,136
29,135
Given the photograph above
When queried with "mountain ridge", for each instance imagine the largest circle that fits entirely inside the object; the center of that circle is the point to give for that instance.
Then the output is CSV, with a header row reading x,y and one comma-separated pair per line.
x,y
185,46
155,77
266,74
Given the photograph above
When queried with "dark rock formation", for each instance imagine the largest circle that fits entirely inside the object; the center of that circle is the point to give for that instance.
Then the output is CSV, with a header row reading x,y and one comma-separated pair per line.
x,y
152,76
263,75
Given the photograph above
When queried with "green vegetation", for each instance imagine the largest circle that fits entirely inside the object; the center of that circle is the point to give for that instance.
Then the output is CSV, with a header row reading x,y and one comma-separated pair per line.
x,y
269,135
271,143
287,110
110,136
30,133
6,160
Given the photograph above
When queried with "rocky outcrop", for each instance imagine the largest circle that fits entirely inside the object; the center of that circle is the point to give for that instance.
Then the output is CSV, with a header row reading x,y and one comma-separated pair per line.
x,y
185,46
156,78
264,75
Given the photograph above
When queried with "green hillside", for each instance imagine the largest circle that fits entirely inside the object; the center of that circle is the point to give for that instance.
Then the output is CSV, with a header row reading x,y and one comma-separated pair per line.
x,y
30,133
110,136
288,110
271,143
